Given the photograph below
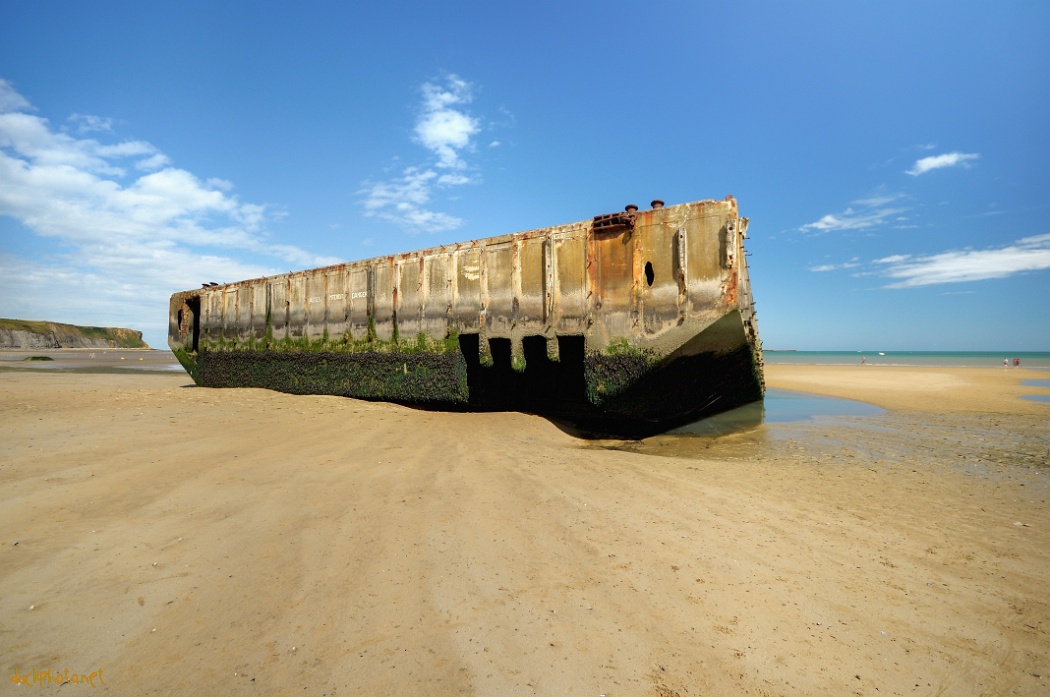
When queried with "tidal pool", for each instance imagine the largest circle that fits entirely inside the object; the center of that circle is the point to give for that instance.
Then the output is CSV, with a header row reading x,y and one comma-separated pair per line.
x,y
779,406
1036,397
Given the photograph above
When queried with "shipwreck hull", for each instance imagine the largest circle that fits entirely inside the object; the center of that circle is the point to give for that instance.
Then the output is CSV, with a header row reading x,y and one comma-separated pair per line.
x,y
628,323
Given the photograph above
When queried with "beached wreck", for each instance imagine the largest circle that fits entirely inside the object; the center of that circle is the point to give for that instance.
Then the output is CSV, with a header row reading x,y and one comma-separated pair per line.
x,y
626,323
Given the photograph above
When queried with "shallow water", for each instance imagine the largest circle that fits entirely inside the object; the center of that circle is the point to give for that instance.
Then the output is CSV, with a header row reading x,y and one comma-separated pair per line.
x,y
763,428
830,433
779,406
1036,397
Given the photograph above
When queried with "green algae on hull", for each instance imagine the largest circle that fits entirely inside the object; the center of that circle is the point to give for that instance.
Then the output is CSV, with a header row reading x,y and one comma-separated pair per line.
x,y
411,377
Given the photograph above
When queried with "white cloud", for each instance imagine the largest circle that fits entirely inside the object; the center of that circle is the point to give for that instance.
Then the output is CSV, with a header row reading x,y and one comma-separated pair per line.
x,y
87,123
1025,255
852,220
402,201
430,220
951,159
851,264
122,244
446,132
31,139
155,161
446,129
872,211
442,129
455,91
877,200
894,259
453,180
217,183
413,188
11,100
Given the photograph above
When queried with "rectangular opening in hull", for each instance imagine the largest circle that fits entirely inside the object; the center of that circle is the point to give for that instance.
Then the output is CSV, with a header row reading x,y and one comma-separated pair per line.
x,y
195,321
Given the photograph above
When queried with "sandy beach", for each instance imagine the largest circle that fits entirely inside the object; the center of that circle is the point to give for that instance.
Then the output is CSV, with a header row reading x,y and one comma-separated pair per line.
x,y
175,540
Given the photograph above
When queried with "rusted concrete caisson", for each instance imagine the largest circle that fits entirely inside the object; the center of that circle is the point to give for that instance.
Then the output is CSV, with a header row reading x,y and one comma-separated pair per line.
x,y
627,323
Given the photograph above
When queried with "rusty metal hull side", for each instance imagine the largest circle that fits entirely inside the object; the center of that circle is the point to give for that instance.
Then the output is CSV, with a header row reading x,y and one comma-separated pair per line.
x,y
646,317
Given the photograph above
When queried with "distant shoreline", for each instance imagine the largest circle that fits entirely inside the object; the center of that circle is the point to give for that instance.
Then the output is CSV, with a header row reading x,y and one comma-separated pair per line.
x,y
1038,360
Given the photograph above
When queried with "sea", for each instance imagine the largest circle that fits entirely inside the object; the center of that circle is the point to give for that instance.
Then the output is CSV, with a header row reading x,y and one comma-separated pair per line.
x,y
1038,360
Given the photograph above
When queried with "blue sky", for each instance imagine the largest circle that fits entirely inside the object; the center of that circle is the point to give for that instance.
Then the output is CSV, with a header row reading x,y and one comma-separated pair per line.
x,y
893,157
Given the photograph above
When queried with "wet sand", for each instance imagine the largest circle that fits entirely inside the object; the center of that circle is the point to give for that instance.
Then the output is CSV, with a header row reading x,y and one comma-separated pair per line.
x,y
227,542
90,360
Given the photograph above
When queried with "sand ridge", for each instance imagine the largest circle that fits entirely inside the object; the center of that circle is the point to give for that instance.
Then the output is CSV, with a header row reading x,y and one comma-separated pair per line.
x,y
196,541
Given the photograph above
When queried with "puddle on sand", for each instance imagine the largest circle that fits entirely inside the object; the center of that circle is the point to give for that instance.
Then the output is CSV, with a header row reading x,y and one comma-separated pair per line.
x,y
774,418
1036,397
779,406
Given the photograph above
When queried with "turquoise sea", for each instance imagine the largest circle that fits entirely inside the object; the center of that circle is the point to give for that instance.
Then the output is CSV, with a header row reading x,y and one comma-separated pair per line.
x,y
1039,360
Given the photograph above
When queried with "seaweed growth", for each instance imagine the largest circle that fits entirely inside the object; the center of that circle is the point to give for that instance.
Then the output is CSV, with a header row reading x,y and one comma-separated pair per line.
x,y
343,344
420,378
620,366
189,363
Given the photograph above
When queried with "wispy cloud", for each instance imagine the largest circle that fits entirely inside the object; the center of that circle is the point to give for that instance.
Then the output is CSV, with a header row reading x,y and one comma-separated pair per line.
x,y
403,201
851,264
447,130
872,211
894,259
951,159
879,199
128,228
86,123
883,208
1025,255
11,100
